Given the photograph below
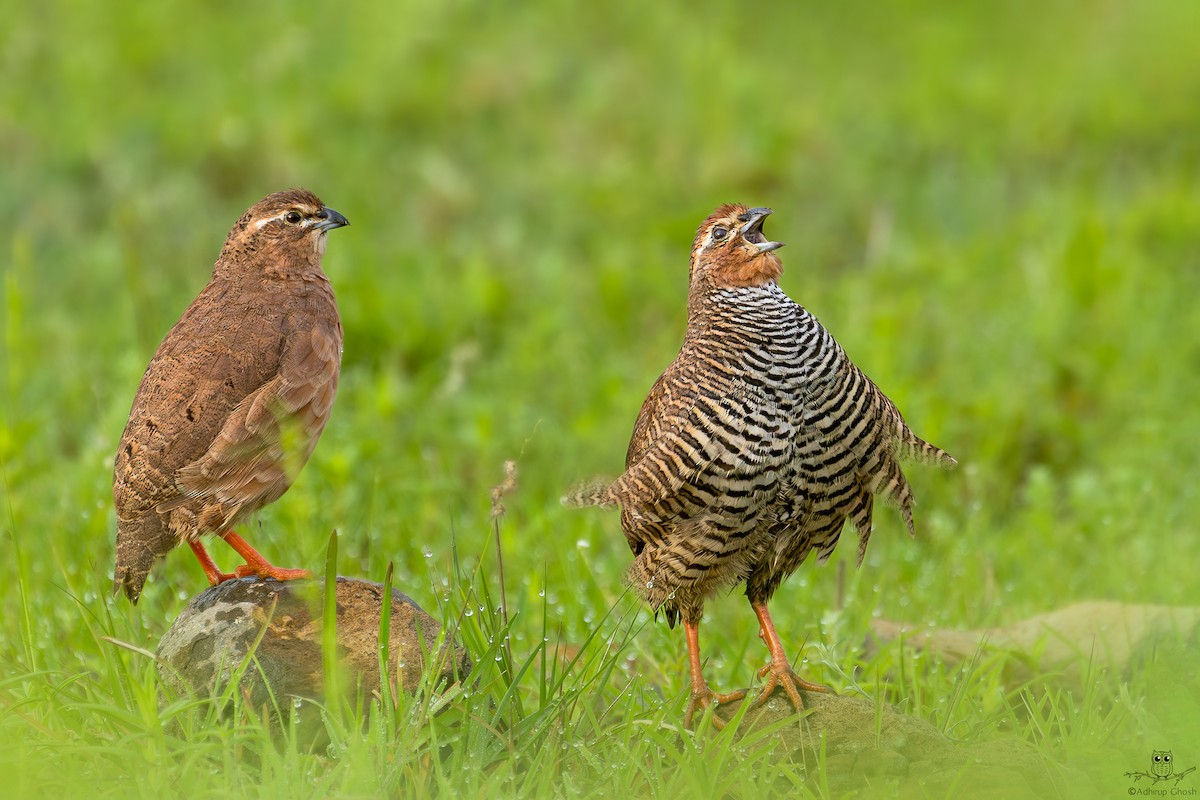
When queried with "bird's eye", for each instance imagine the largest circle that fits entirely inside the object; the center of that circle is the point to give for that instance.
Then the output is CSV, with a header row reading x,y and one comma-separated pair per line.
x,y
1166,758
719,233
292,217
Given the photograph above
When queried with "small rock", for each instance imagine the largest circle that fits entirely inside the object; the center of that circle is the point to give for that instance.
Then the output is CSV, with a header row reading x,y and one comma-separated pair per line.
x,y
213,635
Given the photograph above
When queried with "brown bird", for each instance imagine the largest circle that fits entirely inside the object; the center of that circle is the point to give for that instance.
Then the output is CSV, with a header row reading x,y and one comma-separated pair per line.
x,y
236,396
752,450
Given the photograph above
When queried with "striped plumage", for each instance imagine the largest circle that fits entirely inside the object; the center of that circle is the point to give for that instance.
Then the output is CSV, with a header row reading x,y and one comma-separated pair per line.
x,y
755,446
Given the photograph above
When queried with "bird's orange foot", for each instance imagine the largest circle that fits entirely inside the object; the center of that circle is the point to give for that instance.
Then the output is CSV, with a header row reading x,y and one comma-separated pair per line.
x,y
256,565
781,675
211,571
270,571
703,697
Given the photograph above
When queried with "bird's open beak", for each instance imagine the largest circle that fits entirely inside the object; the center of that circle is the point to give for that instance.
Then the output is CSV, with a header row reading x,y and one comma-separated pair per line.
x,y
332,220
752,231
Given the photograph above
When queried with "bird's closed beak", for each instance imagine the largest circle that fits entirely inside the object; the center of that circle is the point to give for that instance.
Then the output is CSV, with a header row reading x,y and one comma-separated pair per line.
x,y
332,219
752,231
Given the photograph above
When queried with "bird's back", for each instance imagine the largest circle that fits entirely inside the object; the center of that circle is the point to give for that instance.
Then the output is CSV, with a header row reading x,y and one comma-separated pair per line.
x,y
189,462
198,375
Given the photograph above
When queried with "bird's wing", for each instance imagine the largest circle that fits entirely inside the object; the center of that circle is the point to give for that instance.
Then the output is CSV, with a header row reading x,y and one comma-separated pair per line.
x,y
269,435
650,411
197,377
691,444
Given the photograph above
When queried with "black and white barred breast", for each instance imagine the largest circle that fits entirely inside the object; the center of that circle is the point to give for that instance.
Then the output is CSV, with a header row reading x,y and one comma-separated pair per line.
x,y
752,450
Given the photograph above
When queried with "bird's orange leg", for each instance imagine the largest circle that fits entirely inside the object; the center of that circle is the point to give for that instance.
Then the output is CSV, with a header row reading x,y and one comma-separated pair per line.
x,y
209,566
702,696
257,565
780,669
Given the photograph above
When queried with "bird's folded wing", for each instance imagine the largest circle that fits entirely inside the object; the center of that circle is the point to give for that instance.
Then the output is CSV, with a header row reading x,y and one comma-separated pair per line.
x,y
705,444
271,432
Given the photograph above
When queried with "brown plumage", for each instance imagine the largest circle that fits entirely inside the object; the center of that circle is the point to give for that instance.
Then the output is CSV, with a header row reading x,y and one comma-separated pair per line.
x,y
236,396
753,449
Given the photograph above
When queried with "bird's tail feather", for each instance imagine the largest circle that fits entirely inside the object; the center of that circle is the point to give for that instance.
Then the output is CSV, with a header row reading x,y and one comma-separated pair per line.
x,y
597,491
911,447
860,516
890,483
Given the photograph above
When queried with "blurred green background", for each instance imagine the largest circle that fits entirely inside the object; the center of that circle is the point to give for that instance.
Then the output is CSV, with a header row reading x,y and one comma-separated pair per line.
x,y
994,207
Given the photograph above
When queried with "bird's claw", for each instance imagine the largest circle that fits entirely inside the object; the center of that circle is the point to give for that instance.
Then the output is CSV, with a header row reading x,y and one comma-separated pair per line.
x,y
782,676
218,577
702,698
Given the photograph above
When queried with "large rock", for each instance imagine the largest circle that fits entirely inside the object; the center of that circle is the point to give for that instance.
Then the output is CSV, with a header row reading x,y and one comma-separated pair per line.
x,y
215,633
877,749
1058,648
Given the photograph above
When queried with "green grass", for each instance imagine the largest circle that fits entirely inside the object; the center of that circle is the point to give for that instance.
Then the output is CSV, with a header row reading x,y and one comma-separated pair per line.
x,y
994,207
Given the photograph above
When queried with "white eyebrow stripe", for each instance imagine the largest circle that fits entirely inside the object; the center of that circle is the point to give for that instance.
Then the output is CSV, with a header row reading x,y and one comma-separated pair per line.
x,y
306,222
258,225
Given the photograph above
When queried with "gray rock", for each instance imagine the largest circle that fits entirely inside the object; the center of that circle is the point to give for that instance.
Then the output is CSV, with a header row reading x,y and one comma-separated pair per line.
x,y
210,640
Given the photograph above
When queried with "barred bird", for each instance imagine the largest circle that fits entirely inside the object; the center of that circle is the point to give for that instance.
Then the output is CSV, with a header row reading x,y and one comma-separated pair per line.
x,y
752,450
234,400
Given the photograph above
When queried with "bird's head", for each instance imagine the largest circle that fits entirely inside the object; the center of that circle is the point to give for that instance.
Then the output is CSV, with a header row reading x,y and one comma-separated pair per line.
x,y
731,250
289,223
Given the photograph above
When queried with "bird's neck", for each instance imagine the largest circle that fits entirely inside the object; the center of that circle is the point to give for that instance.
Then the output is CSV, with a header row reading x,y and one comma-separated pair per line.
x,y
761,308
277,265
